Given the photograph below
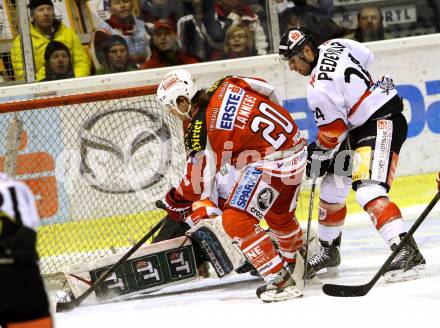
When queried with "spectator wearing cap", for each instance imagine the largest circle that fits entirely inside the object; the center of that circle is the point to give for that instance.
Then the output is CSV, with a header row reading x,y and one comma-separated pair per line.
x,y
370,26
46,28
122,22
58,61
166,51
116,56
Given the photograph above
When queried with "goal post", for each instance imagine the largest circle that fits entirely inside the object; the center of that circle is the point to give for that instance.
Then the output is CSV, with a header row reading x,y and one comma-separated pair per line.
x,y
96,163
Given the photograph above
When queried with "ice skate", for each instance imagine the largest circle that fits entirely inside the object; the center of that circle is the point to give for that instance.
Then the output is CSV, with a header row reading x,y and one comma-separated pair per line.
x,y
327,257
409,263
282,288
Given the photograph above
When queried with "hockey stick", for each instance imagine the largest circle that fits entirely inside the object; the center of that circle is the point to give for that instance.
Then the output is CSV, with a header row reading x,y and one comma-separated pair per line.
x,y
309,222
361,290
68,306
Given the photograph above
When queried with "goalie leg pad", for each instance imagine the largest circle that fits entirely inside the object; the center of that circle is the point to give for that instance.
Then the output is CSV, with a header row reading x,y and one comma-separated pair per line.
x,y
217,246
150,268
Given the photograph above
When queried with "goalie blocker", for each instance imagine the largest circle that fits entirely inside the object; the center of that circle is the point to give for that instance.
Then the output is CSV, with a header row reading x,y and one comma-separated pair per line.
x,y
157,266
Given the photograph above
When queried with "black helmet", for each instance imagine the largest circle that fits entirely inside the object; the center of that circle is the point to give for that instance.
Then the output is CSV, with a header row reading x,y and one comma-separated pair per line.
x,y
293,41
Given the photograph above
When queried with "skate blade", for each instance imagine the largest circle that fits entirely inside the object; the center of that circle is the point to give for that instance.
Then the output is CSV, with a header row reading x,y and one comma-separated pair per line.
x,y
314,281
274,296
419,271
327,272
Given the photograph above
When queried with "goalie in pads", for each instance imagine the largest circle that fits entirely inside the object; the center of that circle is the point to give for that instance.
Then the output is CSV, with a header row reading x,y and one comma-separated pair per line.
x,y
239,121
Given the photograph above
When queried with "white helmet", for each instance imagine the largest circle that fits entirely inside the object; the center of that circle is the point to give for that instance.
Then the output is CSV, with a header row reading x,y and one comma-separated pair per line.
x,y
177,83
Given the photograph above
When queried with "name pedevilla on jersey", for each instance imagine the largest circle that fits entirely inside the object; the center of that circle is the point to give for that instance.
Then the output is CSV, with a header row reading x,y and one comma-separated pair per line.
x,y
329,61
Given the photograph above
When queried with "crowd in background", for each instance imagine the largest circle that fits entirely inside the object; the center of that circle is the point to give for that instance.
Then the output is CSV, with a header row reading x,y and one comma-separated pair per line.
x,y
175,32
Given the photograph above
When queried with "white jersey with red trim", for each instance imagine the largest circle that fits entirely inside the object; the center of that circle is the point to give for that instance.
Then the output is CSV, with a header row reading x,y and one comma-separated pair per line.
x,y
341,89
17,202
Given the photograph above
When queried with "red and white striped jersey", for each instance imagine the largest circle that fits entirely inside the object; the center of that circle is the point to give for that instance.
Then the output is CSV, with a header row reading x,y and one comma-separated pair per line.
x,y
242,123
340,91
17,202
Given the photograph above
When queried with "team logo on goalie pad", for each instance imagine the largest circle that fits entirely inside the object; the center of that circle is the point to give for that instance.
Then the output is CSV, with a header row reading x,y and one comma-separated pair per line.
x,y
153,267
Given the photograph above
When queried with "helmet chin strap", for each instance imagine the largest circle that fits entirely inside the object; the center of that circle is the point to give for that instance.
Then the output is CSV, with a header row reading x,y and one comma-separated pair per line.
x,y
186,114
311,63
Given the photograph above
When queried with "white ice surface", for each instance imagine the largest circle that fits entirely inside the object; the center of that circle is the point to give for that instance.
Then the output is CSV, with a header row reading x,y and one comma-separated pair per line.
x,y
231,302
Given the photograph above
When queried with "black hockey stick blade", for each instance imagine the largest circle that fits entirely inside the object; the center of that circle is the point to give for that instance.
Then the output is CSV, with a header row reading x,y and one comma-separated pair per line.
x,y
68,306
362,290
347,291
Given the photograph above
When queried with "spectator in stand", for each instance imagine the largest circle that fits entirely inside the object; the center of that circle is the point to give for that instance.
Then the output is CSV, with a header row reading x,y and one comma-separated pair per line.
x,y
166,51
230,12
370,26
46,28
122,22
116,56
200,34
239,42
58,62
260,8
4,76
316,19
152,10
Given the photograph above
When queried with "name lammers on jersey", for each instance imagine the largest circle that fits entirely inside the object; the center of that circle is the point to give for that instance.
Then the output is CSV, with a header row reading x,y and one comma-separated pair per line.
x,y
235,109
329,61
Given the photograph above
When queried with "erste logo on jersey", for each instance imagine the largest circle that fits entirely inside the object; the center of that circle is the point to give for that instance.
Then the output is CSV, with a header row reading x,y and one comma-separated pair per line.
x,y
229,107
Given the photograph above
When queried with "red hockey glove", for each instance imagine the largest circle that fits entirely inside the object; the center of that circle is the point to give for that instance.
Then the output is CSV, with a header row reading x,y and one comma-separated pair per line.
x,y
177,207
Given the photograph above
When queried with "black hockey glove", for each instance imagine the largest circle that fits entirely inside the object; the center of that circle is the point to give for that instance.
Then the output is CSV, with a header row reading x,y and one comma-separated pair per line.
x,y
318,160
177,207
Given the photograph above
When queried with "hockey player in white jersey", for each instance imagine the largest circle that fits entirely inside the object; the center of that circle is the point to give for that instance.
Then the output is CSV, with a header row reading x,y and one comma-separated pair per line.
x,y
354,115
23,299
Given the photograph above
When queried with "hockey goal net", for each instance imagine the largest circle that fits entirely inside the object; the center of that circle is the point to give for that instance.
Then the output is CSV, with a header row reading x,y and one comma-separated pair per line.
x,y
96,163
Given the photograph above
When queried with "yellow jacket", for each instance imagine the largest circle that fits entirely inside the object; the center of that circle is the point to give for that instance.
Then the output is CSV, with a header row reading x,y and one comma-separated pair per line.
x,y
80,60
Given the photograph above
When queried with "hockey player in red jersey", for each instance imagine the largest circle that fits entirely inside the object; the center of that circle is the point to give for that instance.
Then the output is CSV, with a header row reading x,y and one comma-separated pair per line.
x,y
352,113
239,121
23,299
